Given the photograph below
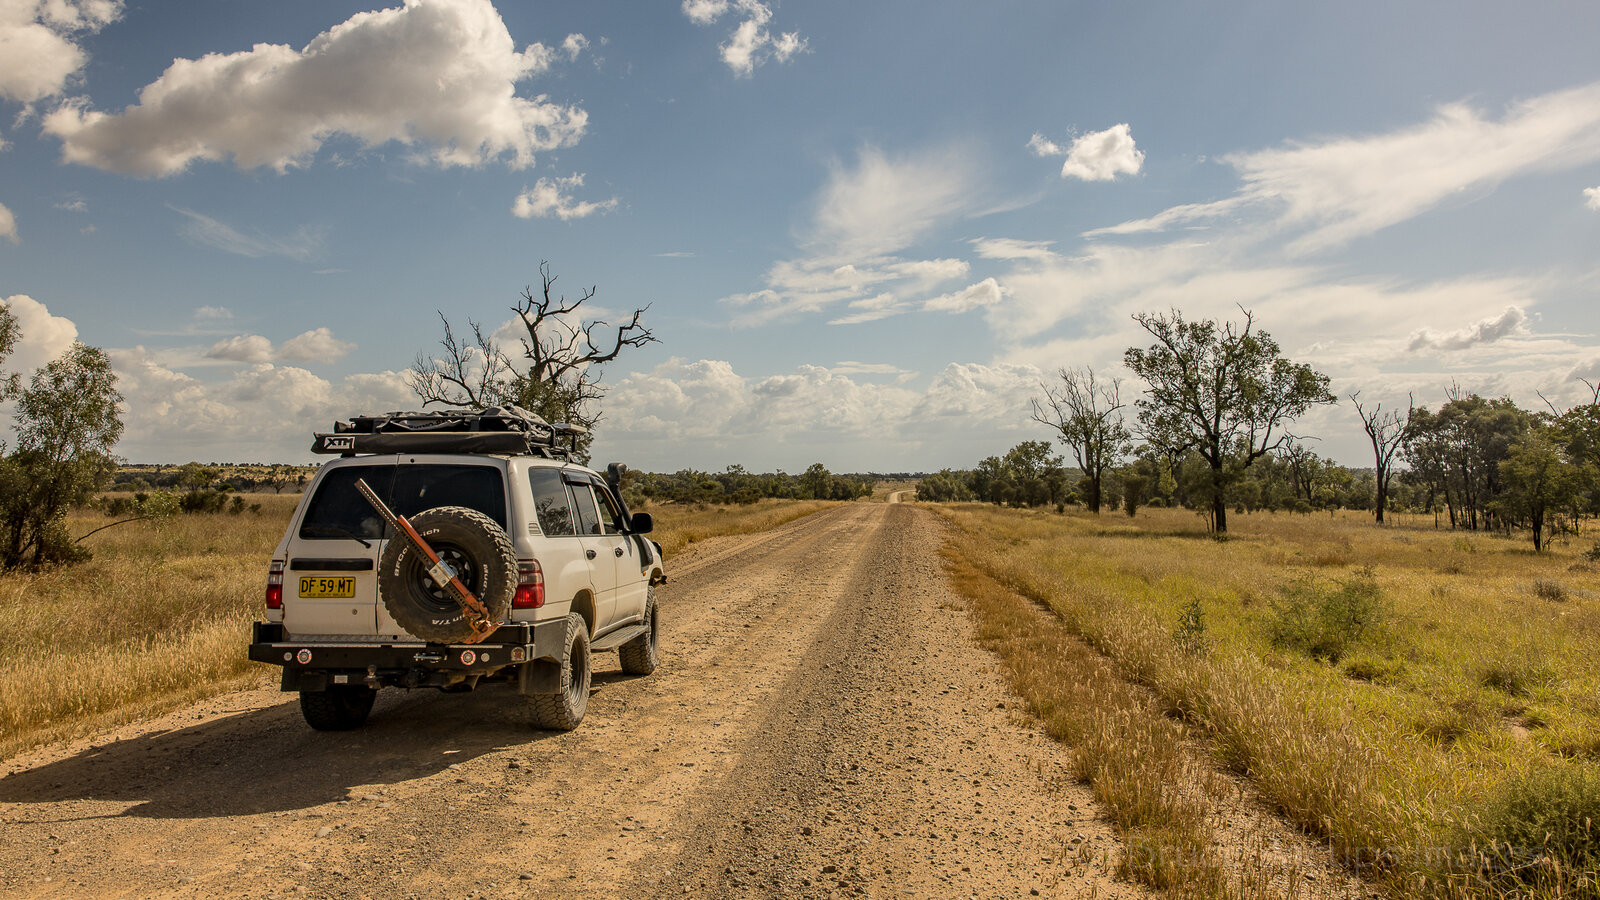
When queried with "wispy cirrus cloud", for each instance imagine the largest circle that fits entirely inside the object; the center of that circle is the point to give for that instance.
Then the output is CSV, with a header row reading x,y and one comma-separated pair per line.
x,y
305,244
865,214
1330,192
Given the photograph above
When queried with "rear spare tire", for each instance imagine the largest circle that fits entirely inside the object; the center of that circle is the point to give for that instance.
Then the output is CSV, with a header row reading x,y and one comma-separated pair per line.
x,y
473,545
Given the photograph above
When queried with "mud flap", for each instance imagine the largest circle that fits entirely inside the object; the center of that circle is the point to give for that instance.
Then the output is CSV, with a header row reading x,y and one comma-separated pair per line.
x,y
541,676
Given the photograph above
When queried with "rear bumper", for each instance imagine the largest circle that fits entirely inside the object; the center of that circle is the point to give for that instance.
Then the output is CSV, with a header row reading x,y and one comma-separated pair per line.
x,y
314,664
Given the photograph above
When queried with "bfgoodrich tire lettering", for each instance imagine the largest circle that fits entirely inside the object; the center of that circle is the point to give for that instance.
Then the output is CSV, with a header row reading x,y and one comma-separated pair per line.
x,y
474,546
564,709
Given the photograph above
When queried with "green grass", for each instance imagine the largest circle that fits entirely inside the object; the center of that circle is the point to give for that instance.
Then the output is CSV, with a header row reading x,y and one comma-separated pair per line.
x,y
1385,687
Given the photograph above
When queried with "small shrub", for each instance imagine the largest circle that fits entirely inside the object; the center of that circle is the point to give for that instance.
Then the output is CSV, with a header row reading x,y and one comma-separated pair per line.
x,y
1593,553
1547,589
1325,622
203,501
1190,633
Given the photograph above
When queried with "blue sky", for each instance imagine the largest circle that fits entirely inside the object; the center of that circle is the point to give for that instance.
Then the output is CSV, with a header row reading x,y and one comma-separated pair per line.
x,y
865,232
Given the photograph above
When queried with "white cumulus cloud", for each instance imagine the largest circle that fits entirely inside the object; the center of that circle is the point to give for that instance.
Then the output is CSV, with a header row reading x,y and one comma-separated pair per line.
x,y
751,44
261,413
316,345
551,197
1512,321
39,53
1097,156
43,336
248,348
8,225
436,75
1591,197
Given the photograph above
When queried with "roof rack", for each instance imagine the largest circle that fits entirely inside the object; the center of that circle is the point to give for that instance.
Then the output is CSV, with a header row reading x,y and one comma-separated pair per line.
x,y
498,429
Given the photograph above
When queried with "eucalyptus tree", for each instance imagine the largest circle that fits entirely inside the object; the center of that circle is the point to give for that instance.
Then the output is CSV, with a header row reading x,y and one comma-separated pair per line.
x,y
1223,390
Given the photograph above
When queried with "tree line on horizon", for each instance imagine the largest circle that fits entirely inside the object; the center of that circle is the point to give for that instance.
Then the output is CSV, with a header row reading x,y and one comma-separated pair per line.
x,y
1214,429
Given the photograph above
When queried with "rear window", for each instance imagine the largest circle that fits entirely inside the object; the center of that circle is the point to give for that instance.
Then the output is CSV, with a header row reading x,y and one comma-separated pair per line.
x,y
338,510
551,502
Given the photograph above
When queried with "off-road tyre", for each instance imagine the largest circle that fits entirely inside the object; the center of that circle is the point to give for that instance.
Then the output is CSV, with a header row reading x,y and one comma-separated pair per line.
x,y
641,655
482,556
564,709
339,708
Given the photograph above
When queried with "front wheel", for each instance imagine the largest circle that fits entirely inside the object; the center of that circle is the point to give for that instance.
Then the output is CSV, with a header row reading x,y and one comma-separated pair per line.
x,y
641,655
564,709
339,708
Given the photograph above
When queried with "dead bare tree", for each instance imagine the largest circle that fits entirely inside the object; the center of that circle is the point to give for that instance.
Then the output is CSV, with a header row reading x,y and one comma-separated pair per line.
x,y
473,374
1388,432
558,372
1087,413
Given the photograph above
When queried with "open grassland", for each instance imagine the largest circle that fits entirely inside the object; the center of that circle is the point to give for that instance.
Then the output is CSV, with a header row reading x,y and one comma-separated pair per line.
x,y
1427,702
161,615
680,524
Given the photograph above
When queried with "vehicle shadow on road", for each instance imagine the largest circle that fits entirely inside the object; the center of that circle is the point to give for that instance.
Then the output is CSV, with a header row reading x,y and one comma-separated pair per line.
x,y
268,760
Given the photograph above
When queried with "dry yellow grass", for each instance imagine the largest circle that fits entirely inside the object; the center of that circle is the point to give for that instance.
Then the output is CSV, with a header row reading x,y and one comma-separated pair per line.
x,y
161,615
1480,675
680,524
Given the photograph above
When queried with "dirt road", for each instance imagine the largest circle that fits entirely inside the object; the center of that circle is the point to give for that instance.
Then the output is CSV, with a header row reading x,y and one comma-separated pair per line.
x,y
822,725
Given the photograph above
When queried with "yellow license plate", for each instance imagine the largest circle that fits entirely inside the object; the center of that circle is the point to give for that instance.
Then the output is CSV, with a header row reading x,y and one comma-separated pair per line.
x,y
328,587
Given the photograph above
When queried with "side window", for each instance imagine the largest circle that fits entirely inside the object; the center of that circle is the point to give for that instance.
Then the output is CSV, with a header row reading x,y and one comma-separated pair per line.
x,y
588,513
551,502
610,512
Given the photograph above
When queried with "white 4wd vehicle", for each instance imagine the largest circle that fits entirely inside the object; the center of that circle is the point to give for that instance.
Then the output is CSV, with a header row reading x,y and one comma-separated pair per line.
x,y
546,548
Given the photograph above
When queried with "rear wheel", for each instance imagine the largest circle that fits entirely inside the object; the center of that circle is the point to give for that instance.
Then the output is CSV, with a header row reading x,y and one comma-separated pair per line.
x,y
339,708
564,709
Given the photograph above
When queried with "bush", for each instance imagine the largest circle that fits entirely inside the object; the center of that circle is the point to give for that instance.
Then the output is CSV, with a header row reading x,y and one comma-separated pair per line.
x,y
203,501
1552,591
1326,621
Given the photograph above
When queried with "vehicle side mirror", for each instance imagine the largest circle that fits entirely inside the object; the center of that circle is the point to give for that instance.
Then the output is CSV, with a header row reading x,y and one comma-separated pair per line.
x,y
642,523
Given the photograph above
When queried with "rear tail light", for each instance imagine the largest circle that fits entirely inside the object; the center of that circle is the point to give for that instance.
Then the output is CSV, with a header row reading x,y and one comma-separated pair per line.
x,y
275,585
530,585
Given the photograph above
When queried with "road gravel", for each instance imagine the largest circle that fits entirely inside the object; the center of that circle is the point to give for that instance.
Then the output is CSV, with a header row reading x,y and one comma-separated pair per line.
x,y
822,725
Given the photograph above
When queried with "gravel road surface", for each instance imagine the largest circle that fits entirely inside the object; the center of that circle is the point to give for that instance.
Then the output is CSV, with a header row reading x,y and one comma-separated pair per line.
x,y
822,726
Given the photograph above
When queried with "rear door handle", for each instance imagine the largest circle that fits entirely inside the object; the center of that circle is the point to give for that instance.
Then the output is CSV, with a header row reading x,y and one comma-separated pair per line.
x,y
589,553
618,551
